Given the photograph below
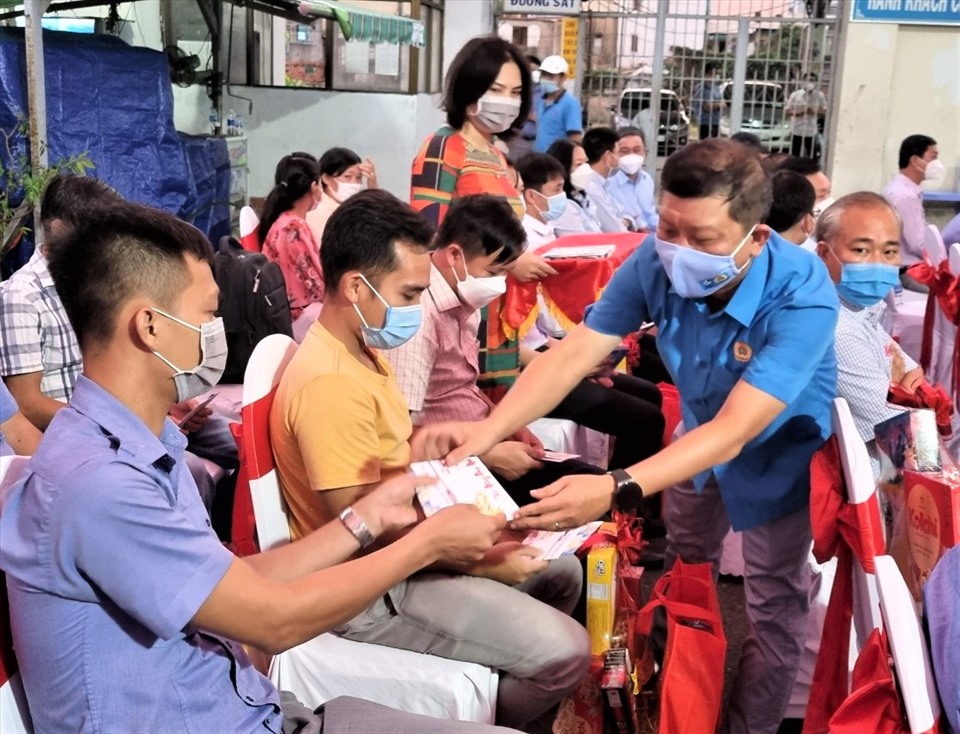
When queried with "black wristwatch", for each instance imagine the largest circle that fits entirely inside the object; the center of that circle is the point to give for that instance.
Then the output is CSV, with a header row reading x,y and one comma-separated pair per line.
x,y
627,494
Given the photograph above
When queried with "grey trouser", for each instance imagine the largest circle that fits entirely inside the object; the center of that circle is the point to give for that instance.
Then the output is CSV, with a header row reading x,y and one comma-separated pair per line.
x,y
777,583
525,631
346,715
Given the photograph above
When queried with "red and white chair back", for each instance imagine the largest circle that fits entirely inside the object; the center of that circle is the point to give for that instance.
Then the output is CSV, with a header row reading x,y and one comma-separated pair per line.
x,y
260,380
249,221
908,647
933,246
14,713
954,257
329,666
862,491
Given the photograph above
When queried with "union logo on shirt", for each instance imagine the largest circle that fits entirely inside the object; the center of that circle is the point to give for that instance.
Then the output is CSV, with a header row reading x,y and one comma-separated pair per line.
x,y
716,280
742,352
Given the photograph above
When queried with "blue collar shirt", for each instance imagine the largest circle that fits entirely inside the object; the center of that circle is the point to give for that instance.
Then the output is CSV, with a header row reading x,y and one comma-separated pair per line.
x,y
108,555
776,333
556,119
635,198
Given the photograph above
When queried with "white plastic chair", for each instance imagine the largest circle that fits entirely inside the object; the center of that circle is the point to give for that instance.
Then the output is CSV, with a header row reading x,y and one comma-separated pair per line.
x,y
249,221
933,245
329,666
14,712
908,647
858,475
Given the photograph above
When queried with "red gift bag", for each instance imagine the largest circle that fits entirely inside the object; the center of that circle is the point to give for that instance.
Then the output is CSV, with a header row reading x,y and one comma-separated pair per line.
x,y
691,695
672,412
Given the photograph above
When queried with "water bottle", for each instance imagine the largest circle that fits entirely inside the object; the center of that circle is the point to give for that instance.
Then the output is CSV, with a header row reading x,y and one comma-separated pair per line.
x,y
214,121
239,125
231,123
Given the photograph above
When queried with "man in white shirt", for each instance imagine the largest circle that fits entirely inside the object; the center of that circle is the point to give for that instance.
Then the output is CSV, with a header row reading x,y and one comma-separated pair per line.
x,y
544,196
918,161
600,145
804,108
630,187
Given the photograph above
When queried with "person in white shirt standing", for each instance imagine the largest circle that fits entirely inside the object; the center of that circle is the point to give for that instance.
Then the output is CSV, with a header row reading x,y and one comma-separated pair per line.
x,y
919,161
603,160
630,187
804,108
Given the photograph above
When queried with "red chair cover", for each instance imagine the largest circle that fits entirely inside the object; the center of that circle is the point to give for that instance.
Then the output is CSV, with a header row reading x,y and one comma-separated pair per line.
x,y
846,531
256,459
944,290
874,704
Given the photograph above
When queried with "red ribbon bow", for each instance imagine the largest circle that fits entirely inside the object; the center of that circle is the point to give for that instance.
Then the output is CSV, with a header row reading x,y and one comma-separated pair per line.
x,y
847,531
944,290
932,397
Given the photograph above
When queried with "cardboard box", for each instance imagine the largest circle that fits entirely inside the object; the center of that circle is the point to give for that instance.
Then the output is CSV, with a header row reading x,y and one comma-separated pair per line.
x,y
601,596
932,515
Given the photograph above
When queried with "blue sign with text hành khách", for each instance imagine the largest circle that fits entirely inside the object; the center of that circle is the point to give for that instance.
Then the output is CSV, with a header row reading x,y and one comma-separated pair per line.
x,y
927,12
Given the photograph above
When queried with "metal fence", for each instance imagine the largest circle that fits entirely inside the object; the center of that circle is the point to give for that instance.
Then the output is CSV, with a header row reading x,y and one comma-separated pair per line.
x,y
632,52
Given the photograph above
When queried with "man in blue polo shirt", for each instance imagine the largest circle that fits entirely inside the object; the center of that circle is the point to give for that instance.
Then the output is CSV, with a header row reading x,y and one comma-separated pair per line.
x,y
745,326
559,114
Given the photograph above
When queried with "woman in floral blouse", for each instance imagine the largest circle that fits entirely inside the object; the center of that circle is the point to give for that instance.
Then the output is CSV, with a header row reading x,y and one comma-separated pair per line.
x,y
286,237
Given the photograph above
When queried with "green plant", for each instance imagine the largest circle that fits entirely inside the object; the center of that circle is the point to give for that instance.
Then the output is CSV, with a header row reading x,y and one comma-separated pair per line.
x,y
19,178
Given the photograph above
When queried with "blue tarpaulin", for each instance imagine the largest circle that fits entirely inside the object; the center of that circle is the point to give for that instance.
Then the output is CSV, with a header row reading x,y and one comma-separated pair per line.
x,y
114,102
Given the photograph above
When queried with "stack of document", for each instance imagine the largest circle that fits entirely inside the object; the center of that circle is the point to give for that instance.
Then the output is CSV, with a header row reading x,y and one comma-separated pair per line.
x,y
470,482
592,252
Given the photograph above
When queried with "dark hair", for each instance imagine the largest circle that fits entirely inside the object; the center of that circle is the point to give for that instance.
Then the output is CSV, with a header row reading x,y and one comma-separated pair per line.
x,y
531,59
562,150
482,225
803,166
750,140
67,197
811,75
363,232
597,141
711,66
282,166
719,167
914,145
536,170
628,132
793,199
337,160
294,176
475,69
115,252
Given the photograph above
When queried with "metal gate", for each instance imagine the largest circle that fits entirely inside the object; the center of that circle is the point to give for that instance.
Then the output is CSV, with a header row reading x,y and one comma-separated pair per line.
x,y
633,52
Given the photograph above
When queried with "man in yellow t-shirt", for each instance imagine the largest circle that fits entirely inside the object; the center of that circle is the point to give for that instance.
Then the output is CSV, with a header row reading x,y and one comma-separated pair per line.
x,y
340,425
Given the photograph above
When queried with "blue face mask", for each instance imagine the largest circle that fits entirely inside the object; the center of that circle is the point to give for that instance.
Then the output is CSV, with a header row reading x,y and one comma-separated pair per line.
x,y
399,324
548,86
696,274
866,284
556,206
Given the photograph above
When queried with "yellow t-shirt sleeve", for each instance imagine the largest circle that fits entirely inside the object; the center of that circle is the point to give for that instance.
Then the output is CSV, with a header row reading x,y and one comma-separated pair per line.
x,y
334,421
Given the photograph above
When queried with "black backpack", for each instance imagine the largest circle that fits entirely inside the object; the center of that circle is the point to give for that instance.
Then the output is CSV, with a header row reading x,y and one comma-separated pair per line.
x,y
253,303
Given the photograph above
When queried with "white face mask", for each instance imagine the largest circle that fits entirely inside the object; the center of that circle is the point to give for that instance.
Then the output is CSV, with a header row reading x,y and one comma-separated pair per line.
x,y
495,113
581,176
478,292
213,359
631,164
821,206
808,87
934,170
346,189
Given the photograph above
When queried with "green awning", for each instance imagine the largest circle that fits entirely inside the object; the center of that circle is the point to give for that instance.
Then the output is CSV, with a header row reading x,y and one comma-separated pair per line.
x,y
358,24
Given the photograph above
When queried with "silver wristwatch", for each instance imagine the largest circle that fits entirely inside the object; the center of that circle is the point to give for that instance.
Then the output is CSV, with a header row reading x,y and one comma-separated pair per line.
x,y
357,527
